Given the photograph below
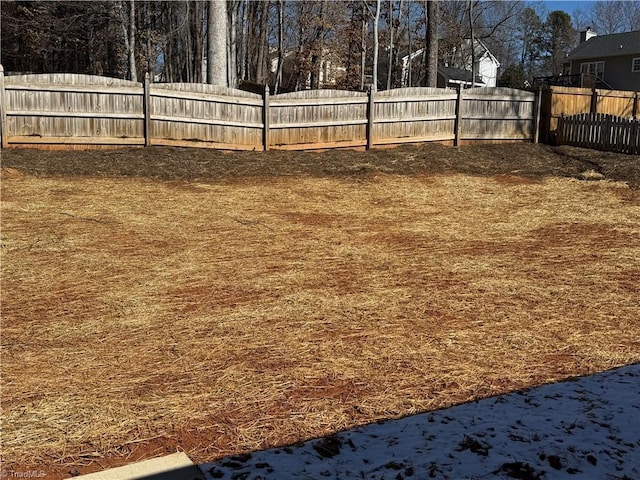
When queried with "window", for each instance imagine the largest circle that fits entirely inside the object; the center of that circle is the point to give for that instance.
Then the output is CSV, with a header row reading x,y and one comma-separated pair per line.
x,y
635,65
595,68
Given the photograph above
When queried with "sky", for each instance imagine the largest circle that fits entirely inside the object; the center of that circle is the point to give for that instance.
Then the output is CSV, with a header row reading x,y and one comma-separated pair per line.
x,y
567,6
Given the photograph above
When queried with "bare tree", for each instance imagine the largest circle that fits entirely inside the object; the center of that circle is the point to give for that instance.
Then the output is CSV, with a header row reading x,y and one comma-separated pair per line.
x,y
232,45
376,21
363,51
281,52
217,43
130,40
317,49
609,17
473,45
431,78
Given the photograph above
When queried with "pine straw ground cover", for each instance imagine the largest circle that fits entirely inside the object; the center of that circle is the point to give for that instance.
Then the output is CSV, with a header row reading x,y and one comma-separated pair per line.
x,y
220,316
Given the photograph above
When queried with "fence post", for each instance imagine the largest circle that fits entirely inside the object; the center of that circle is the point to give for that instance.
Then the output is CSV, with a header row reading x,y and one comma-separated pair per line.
x,y
146,107
370,116
594,101
536,117
265,119
456,138
634,108
4,141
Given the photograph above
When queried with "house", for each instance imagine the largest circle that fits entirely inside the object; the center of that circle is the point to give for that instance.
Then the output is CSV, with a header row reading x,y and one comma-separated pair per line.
x,y
330,71
449,77
456,67
613,59
486,63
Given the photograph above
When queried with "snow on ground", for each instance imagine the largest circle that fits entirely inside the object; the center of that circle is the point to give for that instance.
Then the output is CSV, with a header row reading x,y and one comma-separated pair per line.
x,y
587,428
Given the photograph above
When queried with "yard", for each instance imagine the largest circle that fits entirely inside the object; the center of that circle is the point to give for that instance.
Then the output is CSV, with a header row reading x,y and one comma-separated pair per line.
x,y
218,303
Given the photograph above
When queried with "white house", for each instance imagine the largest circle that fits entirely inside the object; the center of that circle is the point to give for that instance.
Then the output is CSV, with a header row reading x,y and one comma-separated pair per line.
x,y
330,69
486,64
456,67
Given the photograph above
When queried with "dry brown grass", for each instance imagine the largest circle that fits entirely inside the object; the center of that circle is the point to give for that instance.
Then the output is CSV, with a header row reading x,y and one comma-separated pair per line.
x,y
235,315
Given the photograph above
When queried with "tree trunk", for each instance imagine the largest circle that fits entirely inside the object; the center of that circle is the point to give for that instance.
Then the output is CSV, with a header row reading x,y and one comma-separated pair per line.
x,y
281,52
410,44
232,55
376,19
473,50
390,55
188,46
432,44
262,70
217,43
317,49
363,52
244,46
133,76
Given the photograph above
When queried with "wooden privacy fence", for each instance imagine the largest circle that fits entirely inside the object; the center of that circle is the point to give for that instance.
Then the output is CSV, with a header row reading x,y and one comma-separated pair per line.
x,y
567,101
601,132
76,111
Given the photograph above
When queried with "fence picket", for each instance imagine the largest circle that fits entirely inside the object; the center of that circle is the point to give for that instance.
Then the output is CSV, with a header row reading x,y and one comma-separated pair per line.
x,y
600,132
67,110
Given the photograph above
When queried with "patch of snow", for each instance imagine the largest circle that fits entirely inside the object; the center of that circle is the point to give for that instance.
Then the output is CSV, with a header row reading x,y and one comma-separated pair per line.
x,y
587,427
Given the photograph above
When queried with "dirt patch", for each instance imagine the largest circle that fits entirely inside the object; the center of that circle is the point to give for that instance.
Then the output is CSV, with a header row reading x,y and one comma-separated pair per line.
x,y
223,303
513,163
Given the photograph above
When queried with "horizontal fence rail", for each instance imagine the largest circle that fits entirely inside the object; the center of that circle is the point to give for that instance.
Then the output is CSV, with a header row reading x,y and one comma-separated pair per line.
x,y
80,111
184,114
601,132
69,109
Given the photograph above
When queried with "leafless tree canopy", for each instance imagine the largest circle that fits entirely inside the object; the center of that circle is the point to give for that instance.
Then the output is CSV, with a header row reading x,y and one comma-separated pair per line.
x,y
291,44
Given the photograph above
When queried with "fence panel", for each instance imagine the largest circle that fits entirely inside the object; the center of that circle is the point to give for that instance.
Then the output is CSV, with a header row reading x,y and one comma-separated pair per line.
x,y
567,101
615,102
187,114
497,114
318,119
601,132
415,114
70,109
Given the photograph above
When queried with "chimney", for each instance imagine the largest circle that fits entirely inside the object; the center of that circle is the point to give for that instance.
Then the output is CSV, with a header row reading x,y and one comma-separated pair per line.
x,y
587,34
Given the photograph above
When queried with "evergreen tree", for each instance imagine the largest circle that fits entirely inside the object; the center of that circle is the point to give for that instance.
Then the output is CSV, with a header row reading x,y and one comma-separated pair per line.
x,y
561,39
513,77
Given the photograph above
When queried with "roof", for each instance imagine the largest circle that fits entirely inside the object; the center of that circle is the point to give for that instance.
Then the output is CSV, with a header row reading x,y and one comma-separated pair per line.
x,y
480,50
457,74
605,46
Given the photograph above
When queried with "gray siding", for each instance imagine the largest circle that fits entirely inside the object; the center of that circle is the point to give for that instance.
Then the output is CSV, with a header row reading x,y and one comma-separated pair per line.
x,y
617,71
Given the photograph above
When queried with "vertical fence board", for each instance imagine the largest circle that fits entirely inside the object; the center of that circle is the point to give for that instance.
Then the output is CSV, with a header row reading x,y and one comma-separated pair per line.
x,y
601,132
265,119
3,112
558,101
318,119
69,109
414,114
204,115
370,116
536,121
497,114
146,107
